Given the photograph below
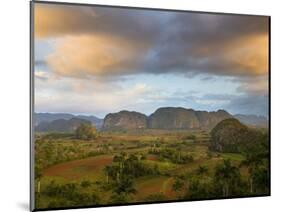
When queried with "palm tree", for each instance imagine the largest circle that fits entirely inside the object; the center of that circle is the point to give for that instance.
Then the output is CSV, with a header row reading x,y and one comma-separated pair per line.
x,y
227,176
120,159
112,171
252,161
107,171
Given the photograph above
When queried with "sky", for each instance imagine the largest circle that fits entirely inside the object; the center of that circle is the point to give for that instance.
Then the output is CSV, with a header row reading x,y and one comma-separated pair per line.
x,y
99,60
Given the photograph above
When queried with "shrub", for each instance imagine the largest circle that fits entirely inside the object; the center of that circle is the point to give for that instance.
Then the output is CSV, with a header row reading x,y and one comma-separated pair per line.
x,y
85,183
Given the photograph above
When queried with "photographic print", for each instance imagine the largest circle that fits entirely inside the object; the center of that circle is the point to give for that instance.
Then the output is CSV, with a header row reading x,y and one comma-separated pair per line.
x,y
138,106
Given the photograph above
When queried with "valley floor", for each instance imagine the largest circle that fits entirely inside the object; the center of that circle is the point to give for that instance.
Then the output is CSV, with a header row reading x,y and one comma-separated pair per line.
x,y
171,166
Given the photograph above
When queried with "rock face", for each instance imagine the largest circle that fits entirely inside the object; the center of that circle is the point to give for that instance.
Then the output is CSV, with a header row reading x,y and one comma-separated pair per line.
x,y
173,118
124,120
209,119
181,118
228,134
165,118
61,125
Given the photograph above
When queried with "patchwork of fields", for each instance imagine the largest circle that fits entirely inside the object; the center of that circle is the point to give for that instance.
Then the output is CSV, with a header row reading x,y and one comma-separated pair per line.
x,y
149,166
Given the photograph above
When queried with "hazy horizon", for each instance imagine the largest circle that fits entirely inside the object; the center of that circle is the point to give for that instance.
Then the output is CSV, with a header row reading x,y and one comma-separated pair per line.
x,y
95,60
147,114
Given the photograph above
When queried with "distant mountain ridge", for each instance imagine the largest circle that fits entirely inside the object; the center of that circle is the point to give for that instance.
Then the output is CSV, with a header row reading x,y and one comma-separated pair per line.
x,y
252,120
162,118
61,125
49,117
176,118
165,118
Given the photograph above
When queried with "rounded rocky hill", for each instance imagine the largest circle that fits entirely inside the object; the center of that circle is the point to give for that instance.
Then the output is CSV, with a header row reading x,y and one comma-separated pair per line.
x,y
173,118
228,134
166,118
124,120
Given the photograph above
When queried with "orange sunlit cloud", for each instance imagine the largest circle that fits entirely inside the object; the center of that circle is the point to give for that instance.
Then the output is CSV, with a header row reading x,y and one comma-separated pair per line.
x,y
91,42
249,54
79,56
54,21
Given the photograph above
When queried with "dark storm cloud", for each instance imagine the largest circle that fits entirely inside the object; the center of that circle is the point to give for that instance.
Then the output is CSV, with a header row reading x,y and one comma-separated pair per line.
x,y
75,20
216,44
163,42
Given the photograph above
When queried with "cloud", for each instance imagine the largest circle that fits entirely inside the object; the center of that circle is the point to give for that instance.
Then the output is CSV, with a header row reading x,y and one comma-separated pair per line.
x,y
243,55
94,96
41,75
84,56
53,21
114,41
80,52
90,96
254,86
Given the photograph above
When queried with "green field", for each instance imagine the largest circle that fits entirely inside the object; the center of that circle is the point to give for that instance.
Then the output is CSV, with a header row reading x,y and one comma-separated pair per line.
x,y
117,168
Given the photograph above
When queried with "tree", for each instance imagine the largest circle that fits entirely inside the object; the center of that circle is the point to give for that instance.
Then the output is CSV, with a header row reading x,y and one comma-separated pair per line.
x,y
86,132
38,175
252,162
85,183
198,189
256,161
125,185
261,180
178,185
227,178
202,170
107,170
112,172
120,159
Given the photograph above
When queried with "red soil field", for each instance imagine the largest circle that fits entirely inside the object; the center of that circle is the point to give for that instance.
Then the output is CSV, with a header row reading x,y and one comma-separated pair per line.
x,y
78,168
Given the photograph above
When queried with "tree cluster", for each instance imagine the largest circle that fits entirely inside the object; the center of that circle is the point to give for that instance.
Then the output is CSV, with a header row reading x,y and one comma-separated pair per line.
x,y
86,132
172,155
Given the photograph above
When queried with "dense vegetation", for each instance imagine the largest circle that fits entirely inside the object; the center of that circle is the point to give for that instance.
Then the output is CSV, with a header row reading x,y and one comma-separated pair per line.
x,y
97,168
86,132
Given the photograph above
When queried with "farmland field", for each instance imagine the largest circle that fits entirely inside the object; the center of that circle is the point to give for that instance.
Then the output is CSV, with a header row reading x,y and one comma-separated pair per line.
x,y
166,164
